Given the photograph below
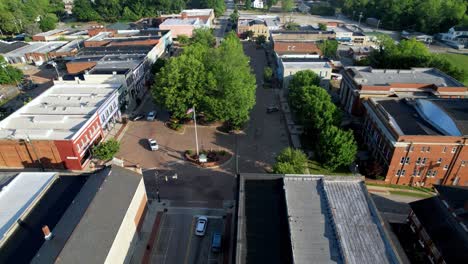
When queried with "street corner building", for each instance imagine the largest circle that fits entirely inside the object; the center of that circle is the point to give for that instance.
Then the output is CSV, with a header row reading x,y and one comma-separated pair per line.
x,y
58,129
419,141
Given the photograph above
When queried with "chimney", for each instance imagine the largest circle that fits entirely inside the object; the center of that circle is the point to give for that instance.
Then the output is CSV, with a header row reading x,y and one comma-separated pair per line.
x,y
183,15
47,233
114,73
77,79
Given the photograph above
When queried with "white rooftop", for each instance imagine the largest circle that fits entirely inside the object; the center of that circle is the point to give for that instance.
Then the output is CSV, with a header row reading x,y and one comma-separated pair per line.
x,y
58,113
198,12
39,47
19,195
180,22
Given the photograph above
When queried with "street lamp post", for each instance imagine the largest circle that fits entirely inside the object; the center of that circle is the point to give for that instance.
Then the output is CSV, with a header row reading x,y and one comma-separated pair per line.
x,y
157,176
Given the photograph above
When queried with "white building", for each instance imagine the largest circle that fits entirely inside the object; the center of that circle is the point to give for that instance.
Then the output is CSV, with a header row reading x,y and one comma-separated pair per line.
x,y
290,66
257,4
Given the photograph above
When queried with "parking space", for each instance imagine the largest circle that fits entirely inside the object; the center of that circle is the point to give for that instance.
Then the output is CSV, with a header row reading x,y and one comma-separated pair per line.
x,y
177,242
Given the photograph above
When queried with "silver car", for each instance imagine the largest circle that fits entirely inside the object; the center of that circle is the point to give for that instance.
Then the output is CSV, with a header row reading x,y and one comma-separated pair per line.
x,y
153,145
200,228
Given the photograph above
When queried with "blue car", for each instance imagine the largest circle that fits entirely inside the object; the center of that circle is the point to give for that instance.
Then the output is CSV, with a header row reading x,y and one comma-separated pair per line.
x,y
216,242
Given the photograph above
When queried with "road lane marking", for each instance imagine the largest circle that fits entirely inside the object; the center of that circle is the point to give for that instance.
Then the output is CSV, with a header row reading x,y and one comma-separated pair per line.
x,y
187,251
168,244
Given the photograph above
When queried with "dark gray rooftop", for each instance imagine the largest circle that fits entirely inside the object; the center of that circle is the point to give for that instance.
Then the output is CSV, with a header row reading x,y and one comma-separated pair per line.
x,y
445,230
427,116
93,236
114,50
6,47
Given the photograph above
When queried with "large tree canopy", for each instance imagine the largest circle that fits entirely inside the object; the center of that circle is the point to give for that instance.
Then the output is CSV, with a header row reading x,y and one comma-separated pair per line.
x,y
17,15
430,16
215,80
408,54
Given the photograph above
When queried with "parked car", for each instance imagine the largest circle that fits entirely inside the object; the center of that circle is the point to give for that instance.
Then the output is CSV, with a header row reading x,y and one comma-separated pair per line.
x,y
153,145
216,242
272,109
151,116
202,222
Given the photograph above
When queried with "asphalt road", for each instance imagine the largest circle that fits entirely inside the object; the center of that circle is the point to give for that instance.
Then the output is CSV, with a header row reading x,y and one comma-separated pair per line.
x,y
177,242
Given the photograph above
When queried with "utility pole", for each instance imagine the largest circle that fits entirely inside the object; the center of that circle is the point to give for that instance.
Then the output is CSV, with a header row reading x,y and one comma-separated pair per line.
x,y
360,16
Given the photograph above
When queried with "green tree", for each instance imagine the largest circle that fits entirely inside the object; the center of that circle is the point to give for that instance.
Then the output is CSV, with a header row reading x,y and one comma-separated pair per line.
x,y
48,22
219,6
181,82
129,15
322,26
106,150
248,4
287,5
110,10
329,48
158,65
8,73
234,16
204,36
84,10
304,78
267,74
231,96
336,147
290,161
261,39
183,39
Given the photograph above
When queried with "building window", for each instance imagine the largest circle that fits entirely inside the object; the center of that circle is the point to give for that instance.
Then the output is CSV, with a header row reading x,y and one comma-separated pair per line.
x,y
434,173
401,173
423,149
444,149
398,173
419,173
424,161
454,149
439,161
402,160
410,149
429,173
446,167
428,149
418,161
407,160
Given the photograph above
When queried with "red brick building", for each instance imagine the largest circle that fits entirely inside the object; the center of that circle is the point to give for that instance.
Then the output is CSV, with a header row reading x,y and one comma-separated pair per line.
x,y
419,141
296,47
360,83
58,128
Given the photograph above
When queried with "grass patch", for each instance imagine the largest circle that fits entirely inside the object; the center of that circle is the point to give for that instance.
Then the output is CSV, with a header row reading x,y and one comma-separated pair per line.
x,y
412,194
402,187
459,60
316,168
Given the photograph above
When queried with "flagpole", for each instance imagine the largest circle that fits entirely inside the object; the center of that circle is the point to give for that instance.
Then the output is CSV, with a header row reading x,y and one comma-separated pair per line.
x,y
196,135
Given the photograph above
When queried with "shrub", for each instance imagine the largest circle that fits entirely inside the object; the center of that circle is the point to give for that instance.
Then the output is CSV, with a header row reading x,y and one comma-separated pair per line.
x,y
106,150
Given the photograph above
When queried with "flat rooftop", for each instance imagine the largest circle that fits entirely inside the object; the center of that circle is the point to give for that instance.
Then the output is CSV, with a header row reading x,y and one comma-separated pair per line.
x,y
198,12
330,219
180,22
51,32
94,235
58,113
302,63
114,50
443,117
38,47
19,195
6,47
384,77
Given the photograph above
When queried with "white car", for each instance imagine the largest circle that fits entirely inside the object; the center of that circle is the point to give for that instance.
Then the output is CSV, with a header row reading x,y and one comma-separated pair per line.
x,y
200,228
153,144
151,115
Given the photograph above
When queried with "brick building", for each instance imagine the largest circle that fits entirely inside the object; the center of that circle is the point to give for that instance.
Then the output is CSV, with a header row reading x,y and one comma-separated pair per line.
x,y
360,83
282,47
441,224
419,141
59,127
302,35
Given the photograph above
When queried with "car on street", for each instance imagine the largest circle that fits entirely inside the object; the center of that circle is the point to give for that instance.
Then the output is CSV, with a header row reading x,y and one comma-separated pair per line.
x,y
272,109
151,116
202,222
216,242
153,145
